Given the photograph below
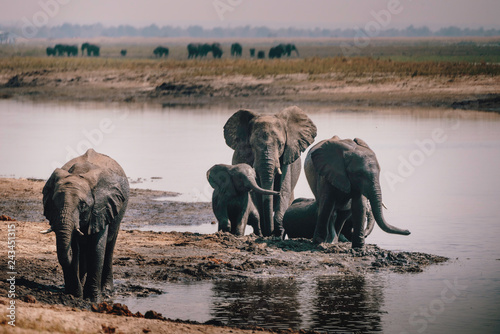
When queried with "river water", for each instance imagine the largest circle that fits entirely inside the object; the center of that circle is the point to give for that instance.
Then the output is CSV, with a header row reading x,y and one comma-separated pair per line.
x,y
439,179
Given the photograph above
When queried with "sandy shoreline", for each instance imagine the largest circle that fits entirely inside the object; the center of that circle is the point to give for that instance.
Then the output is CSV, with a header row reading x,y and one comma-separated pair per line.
x,y
145,258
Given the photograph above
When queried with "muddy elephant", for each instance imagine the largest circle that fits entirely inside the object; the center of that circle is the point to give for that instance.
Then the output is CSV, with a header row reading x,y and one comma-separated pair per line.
x,y
69,50
272,144
160,51
289,48
85,201
231,201
92,49
276,51
300,218
343,170
236,50
216,49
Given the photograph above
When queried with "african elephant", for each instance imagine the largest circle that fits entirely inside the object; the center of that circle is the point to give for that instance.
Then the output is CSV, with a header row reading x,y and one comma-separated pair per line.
x,y
231,200
339,170
217,50
272,144
69,50
236,50
92,49
289,48
193,50
123,52
300,218
85,201
160,51
252,52
50,51
261,55
276,51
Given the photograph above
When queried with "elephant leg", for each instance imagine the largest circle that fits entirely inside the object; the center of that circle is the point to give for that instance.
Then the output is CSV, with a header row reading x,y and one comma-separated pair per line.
x,y
220,208
83,260
343,225
107,268
285,197
358,218
326,204
96,252
72,283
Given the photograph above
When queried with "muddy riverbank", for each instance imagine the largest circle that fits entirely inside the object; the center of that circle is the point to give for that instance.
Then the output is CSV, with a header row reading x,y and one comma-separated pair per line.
x,y
143,259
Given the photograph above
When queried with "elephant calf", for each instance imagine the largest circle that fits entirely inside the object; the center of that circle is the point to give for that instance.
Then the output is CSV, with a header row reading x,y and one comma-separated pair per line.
x,y
231,201
300,221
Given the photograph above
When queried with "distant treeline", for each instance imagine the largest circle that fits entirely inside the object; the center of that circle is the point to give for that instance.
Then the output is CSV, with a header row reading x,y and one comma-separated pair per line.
x,y
97,30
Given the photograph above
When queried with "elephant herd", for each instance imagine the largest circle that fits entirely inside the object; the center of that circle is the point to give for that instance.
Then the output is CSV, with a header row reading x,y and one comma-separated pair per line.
x,y
85,199
72,50
194,50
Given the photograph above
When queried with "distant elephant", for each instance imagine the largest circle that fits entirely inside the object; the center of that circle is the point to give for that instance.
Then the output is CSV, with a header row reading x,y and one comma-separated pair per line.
x,y
236,50
193,50
84,202
123,52
339,171
300,218
252,52
289,48
272,144
161,51
50,51
231,200
261,54
276,51
92,49
217,50
69,50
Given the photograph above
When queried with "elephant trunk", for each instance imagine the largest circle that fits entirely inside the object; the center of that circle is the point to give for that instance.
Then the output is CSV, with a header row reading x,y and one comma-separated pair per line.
x,y
266,173
252,184
67,251
375,198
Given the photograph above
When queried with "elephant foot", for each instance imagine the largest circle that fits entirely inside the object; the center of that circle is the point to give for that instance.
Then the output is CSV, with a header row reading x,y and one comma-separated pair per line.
x,y
358,245
342,238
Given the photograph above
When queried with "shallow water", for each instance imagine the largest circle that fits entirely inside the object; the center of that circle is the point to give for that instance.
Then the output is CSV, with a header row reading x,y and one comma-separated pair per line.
x,y
439,180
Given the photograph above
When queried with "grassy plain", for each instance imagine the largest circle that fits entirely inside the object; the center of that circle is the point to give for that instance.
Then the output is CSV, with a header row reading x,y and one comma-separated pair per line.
x,y
328,70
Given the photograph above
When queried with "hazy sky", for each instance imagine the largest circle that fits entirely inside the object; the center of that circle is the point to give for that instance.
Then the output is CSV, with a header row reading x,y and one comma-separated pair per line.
x,y
273,13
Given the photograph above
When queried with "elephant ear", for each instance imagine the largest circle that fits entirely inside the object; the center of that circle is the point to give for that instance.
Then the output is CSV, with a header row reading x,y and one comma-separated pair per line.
x,y
49,208
300,133
237,134
361,142
110,192
331,159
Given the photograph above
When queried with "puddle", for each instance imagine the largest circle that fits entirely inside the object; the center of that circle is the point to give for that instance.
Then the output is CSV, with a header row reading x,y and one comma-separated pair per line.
x,y
322,303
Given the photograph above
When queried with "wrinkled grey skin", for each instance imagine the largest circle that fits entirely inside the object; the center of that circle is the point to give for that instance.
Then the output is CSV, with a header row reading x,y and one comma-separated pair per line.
x,y
341,170
84,202
231,200
300,221
272,144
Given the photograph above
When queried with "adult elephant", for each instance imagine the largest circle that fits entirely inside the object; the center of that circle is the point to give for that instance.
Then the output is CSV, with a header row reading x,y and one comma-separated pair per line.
x,y
50,51
193,50
216,49
272,144
231,201
160,51
276,51
69,50
237,49
288,48
339,171
85,201
92,49
300,219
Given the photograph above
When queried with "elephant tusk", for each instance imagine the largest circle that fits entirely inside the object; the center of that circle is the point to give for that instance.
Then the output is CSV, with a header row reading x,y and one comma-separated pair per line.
x,y
46,231
384,206
279,171
79,232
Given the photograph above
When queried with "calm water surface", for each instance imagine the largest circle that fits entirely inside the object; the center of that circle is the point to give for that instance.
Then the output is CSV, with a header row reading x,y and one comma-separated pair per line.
x,y
439,179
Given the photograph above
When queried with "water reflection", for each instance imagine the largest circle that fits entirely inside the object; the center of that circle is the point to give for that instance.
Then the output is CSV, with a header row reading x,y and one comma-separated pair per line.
x,y
322,303
346,304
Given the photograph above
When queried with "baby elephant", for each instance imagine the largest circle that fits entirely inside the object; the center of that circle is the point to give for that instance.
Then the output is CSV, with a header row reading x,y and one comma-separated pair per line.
x,y
231,200
300,221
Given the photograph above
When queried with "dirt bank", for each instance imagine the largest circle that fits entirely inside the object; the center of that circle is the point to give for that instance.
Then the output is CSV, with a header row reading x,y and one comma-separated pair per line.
x,y
173,87
144,258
